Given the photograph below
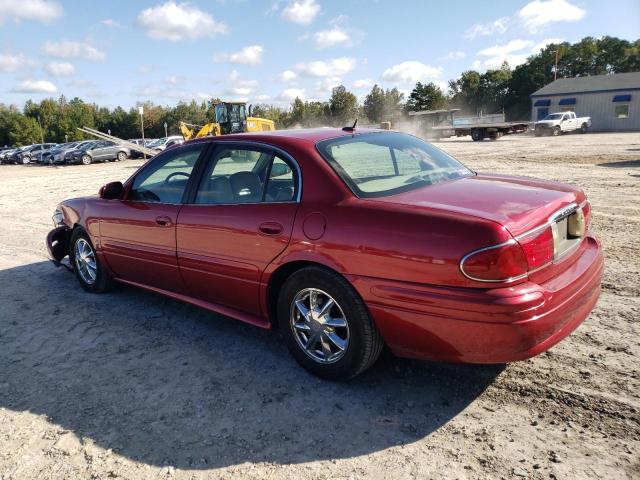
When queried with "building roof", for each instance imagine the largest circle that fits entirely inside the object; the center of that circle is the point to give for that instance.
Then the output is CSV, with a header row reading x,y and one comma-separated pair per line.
x,y
595,83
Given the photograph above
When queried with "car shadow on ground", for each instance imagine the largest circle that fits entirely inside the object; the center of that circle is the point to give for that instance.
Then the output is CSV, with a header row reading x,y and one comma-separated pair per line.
x,y
164,383
621,164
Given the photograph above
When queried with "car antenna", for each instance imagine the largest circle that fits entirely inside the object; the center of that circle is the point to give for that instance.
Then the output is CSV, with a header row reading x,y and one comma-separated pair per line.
x,y
352,128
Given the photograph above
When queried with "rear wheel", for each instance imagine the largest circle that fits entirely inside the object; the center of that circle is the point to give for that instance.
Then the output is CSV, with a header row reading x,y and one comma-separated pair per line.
x,y
86,265
86,160
477,135
26,160
121,157
583,128
326,325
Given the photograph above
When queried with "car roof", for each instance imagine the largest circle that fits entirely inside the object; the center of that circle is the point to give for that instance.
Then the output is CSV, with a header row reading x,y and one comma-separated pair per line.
x,y
301,136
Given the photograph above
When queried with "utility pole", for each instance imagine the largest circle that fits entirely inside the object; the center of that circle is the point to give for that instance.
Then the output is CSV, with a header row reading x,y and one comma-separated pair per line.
x,y
165,129
41,132
141,111
555,70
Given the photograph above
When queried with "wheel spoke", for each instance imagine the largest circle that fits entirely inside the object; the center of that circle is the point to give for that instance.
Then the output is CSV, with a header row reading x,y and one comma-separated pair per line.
x,y
313,299
301,326
336,340
326,348
313,340
328,304
335,322
304,311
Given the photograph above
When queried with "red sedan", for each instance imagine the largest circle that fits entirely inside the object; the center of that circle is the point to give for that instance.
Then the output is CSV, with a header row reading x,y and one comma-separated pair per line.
x,y
346,240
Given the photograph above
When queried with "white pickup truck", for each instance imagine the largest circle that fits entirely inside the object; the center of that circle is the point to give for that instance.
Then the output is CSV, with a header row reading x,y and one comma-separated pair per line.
x,y
562,122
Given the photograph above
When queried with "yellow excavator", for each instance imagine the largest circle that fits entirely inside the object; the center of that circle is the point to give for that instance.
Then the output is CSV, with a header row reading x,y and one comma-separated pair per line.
x,y
231,117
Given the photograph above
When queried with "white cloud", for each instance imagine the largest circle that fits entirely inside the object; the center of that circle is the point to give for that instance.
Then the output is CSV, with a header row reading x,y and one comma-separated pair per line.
x,y
539,13
251,55
328,68
34,86
61,69
326,85
178,21
410,72
457,55
40,10
497,27
331,37
173,80
301,11
110,22
287,76
10,62
476,65
68,49
363,83
511,52
512,46
240,88
290,94
543,44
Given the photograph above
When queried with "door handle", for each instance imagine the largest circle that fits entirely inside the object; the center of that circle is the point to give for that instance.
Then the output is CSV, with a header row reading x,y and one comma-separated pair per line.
x,y
271,228
163,221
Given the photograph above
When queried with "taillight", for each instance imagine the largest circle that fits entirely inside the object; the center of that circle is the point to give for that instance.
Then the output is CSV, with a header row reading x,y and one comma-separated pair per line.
x,y
586,211
538,247
501,263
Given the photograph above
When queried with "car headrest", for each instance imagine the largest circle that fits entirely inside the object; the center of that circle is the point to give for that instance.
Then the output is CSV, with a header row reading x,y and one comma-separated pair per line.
x,y
246,187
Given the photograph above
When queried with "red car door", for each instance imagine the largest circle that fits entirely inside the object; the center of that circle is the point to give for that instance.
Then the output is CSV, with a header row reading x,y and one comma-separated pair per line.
x,y
239,219
138,234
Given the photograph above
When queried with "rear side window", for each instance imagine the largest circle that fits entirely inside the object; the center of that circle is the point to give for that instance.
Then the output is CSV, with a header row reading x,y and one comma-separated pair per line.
x,y
165,180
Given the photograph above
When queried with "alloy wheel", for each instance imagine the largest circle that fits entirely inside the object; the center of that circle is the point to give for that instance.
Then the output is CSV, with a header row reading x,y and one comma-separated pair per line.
x,y
85,259
319,325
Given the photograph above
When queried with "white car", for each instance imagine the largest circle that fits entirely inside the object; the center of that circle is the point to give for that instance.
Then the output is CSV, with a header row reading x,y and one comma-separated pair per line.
x,y
562,122
165,142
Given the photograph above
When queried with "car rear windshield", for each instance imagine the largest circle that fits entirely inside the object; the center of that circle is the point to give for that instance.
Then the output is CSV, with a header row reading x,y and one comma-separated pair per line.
x,y
385,163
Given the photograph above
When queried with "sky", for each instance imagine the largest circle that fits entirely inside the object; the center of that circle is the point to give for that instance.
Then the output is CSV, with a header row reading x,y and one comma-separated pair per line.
x,y
270,51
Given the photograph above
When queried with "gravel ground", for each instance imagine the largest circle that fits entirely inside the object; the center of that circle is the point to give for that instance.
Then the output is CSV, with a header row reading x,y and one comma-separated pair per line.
x,y
134,385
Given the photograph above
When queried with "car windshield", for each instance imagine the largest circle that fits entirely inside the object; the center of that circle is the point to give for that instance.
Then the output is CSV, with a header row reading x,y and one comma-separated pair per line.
x,y
156,143
379,164
554,116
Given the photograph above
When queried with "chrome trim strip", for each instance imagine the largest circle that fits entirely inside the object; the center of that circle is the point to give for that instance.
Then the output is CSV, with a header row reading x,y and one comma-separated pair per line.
x,y
551,222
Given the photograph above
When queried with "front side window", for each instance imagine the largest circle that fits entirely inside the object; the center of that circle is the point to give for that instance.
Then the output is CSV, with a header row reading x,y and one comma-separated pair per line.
x,y
378,164
622,111
246,175
165,179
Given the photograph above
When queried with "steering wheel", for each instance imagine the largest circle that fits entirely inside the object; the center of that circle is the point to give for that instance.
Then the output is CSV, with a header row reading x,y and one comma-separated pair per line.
x,y
176,174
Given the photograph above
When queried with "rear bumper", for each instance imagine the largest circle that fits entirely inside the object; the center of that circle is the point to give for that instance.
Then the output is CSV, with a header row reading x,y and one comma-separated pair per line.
x,y
485,326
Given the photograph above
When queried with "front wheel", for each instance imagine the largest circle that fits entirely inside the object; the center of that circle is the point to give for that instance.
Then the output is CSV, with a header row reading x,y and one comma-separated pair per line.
x,y
88,269
26,160
86,160
121,157
556,131
326,325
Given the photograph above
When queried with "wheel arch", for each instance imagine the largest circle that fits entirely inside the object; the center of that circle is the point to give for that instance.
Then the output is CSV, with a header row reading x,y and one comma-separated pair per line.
x,y
280,275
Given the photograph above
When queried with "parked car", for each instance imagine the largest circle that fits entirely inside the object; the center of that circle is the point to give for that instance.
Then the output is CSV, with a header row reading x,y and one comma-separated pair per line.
x,y
99,151
562,122
139,141
58,154
346,240
165,142
5,153
30,153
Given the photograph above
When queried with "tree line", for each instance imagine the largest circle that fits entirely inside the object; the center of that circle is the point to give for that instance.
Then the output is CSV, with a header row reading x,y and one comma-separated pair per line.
x,y
497,90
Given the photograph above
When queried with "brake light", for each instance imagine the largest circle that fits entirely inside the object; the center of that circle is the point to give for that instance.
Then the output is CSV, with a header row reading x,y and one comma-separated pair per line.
x,y
586,211
538,248
501,263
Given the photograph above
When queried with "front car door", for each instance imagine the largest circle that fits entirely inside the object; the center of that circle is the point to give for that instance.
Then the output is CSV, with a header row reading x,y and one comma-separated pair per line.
x,y
239,220
138,233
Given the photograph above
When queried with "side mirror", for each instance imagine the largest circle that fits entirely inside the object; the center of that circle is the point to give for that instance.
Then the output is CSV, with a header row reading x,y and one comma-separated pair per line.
x,y
111,191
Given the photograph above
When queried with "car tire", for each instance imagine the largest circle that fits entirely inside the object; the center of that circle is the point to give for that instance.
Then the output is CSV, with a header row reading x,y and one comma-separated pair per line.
x,y
556,131
121,157
347,341
86,160
26,160
82,254
584,128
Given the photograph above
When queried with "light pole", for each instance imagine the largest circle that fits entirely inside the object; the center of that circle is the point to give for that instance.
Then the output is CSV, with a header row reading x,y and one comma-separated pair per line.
x,y
165,129
41,132
141,112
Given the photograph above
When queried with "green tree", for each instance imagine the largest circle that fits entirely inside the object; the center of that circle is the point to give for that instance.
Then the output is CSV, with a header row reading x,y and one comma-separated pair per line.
x,y
343,106
425,97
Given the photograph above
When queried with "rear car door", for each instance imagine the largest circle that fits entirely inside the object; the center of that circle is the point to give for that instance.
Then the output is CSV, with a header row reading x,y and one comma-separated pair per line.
x,y
237,221
138,233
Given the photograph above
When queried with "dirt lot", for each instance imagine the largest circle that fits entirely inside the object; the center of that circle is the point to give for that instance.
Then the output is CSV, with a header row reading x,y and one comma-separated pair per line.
x,y
133,385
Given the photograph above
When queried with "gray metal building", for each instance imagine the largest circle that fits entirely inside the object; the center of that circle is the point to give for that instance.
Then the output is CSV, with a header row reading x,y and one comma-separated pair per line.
x,y
612,101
